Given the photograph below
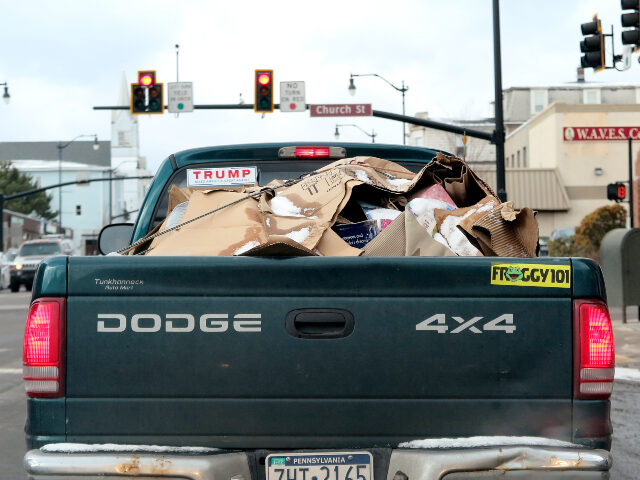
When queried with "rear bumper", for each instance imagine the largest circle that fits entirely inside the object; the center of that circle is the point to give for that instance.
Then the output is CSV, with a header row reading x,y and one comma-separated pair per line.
x,y
515,462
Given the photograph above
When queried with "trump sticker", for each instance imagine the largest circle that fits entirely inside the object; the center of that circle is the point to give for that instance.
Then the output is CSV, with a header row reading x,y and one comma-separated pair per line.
x,y
221,177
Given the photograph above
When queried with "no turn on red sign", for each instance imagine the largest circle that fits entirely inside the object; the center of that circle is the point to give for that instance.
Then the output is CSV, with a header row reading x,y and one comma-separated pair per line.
x,y
292,97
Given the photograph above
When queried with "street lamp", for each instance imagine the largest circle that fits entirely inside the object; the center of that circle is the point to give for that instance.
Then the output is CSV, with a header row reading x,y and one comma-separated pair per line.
x,y
403,89
61,146
372,134
6,97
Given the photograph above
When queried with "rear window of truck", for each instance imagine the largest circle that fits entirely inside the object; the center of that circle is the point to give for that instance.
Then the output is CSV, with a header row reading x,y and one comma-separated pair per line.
x,y
267,172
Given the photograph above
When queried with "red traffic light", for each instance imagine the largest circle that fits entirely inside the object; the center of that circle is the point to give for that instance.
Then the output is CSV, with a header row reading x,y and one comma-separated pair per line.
x,y
264,79
146,78
263,91
616,191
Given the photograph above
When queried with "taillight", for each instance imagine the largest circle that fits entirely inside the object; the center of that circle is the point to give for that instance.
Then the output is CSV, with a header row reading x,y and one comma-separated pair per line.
x,y
312,152
594,352
43,348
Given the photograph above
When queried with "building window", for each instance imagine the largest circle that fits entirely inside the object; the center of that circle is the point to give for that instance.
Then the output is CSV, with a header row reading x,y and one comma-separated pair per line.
x,y
524,157
420,141
518,160
591,96
513,162
539,100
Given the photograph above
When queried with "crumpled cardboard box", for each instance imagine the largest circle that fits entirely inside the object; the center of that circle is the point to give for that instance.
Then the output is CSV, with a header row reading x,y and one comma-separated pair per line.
x,y
297,219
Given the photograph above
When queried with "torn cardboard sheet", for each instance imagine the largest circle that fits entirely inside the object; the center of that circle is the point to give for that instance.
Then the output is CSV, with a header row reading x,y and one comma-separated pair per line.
x,y
317,200
405,237
448,220
231,231
502,232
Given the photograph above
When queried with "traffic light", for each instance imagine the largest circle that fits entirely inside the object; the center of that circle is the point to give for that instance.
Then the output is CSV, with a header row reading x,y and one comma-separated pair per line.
x,y
616,191
631,19
592,45
264,91
146,95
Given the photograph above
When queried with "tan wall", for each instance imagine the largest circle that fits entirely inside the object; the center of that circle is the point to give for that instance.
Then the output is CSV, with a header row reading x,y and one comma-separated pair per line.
x,y
576,161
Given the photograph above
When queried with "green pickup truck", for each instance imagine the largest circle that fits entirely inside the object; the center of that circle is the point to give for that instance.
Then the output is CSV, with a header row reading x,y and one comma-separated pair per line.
x,y
314,368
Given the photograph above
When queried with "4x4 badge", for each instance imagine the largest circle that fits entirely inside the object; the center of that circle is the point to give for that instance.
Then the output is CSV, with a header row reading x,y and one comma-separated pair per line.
x,y
514,274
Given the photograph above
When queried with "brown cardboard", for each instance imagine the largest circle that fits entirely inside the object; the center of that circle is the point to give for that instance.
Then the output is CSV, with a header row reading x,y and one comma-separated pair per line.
x,y
331,245
230,231
405,237
460,182
501,232
316,201
278,246
177,196
297,219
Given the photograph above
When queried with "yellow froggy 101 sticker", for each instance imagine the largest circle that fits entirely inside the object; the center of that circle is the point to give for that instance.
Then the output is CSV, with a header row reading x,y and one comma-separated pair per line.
x,y
531,275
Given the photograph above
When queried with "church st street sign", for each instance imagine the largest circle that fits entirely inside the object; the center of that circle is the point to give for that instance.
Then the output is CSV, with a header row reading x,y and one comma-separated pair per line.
x,y
341,110
602,134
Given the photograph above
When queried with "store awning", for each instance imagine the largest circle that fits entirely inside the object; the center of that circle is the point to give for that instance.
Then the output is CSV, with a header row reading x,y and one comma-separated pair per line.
x,y
537,188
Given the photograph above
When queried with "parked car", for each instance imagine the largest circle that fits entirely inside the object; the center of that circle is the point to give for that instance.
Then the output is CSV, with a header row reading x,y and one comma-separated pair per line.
x,y
31,253
5,277
564,233
544,248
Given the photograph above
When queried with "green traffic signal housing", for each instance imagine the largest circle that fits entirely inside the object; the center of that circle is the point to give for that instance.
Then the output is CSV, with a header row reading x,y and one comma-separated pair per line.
x,y
592,45
632,20
263,91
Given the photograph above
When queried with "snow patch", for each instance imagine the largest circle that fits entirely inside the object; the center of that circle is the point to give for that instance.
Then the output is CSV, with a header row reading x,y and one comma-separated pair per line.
x,y
362,176
630,374
456,239
383,214
424,211
112,447
175,217
467,442
397,182
284,207
299,235
246,247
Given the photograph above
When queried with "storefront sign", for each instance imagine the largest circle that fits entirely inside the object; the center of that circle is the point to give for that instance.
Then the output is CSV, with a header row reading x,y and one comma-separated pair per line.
x,y
606,134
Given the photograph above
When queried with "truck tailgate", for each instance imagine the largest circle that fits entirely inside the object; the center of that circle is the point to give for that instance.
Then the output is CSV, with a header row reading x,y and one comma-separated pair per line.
x,y
183,347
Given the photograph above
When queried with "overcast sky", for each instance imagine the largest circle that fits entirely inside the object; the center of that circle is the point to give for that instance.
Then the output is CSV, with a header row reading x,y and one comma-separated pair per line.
x,y
62,58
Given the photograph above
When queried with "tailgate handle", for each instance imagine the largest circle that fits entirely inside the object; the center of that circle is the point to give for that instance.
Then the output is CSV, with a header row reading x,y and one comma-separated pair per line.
x,y
320,323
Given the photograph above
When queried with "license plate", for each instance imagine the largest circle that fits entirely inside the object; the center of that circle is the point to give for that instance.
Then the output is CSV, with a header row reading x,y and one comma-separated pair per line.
x,y
320,466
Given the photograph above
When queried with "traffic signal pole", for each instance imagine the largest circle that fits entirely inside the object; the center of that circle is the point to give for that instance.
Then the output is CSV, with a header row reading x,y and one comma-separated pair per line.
x,y
630,140
445,127
499,131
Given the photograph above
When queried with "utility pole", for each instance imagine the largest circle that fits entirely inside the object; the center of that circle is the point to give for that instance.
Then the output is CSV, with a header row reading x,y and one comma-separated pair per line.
x,y
631,218
499,131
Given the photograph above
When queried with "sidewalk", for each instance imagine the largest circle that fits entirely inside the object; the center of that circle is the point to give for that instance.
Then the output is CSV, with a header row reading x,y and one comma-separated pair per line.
x,y
627,337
